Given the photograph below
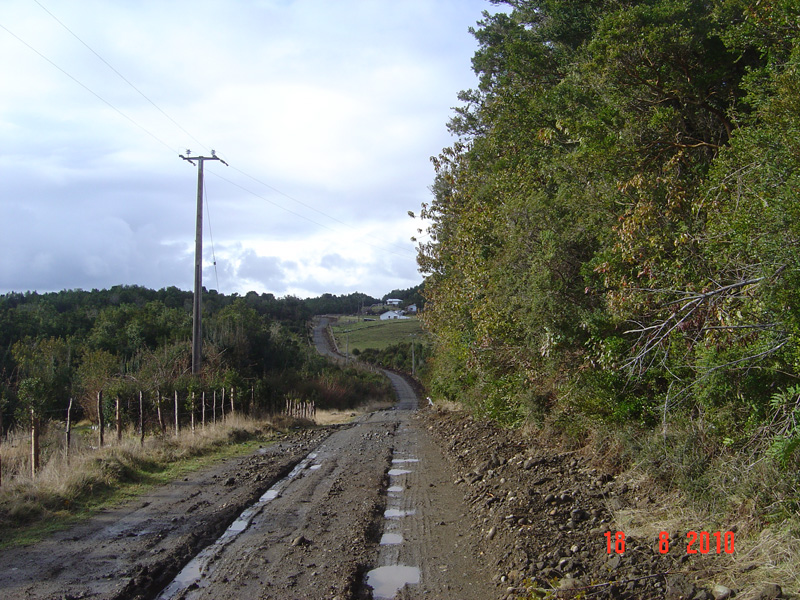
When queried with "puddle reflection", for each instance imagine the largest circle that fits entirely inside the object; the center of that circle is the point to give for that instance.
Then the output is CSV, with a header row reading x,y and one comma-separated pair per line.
x,y
387,581
396,513
391,539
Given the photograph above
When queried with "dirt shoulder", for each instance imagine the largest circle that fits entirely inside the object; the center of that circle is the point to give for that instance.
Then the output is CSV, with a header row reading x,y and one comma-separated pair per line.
x,y
547,520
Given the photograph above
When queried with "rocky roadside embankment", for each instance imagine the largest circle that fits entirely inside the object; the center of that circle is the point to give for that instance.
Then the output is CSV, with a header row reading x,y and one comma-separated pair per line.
x,y
547,517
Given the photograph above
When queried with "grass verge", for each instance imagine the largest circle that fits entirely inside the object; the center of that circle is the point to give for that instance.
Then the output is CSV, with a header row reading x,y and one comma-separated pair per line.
x,y
64,493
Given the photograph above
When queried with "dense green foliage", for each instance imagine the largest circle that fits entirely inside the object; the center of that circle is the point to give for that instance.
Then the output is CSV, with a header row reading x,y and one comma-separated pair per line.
x,y
614,233
73,344
414,295
409,357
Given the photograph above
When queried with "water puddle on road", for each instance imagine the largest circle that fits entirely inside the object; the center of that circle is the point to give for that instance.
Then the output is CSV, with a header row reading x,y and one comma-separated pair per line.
x,y
200,566
396,513
387,581
391,539
403,461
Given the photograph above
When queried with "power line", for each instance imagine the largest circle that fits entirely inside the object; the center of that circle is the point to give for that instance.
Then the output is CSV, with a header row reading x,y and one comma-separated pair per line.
x,y
210,235
293,199
88,89
381,248
318,224
120,75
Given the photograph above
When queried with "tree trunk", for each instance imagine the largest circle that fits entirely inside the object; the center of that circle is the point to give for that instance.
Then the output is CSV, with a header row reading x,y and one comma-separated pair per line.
x,y
101,420
34,443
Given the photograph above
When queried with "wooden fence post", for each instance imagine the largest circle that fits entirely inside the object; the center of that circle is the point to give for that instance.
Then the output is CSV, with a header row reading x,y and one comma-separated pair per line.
x,y
118,418
233,410
161,424
34,443
177,426
203,409
101,420
223,403
192,413
69,430
141,418
214,412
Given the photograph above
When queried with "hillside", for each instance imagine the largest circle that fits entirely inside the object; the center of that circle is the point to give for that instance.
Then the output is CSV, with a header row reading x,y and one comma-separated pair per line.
x,y
612,248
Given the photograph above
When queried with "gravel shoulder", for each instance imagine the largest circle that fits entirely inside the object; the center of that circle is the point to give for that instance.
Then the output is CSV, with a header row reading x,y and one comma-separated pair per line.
x,y
548,523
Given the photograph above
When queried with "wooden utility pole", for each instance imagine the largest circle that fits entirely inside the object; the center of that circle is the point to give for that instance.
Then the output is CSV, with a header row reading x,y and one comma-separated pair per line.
x,y
197,329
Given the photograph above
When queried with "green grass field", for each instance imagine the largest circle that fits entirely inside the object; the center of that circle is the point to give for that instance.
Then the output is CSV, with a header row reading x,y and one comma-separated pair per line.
x,y
376,334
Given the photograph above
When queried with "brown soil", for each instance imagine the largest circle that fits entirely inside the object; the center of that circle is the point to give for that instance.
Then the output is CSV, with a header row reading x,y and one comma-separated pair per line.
x,y
544,515
456,508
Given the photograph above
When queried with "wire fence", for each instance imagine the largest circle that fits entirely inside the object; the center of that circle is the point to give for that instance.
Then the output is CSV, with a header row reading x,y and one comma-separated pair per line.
x,y
46,434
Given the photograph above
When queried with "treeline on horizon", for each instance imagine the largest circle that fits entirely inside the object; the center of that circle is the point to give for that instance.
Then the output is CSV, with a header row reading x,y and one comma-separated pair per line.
x,y
124,340
614,236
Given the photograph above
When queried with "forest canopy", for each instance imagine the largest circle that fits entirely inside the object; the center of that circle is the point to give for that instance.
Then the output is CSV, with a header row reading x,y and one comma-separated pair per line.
x,y
72,344
614,232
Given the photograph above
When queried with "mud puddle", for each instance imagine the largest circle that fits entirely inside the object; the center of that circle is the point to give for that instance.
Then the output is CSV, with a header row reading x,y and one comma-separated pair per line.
x,y
201,566
390,578
387,581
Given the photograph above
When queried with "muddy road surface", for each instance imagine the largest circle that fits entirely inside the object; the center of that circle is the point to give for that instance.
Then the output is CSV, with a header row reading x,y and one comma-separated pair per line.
x,y
366,510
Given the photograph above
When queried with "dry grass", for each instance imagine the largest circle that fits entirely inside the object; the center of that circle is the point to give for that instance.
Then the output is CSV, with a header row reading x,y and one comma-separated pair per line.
x,y
93,475
767,554
339,417
745,494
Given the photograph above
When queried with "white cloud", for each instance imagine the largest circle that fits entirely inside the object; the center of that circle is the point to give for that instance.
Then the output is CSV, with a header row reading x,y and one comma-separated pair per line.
x,y
338,105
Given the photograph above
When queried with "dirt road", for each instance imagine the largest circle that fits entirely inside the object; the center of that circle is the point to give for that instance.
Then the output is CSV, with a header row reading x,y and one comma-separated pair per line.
x,y
354,511
400,504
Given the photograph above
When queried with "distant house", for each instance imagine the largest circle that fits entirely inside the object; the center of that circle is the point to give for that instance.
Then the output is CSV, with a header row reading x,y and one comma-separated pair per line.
x,y
393,302
393,314
412,308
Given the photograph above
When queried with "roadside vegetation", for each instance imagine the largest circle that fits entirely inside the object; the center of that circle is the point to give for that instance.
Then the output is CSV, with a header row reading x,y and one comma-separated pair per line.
x,y
117,363
91,478
612,249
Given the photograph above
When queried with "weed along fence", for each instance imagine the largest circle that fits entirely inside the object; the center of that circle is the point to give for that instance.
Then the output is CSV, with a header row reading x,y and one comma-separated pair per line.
x,y
109,420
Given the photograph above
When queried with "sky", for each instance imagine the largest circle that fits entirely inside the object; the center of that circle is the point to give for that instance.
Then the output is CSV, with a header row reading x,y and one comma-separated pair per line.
x,y
326,111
